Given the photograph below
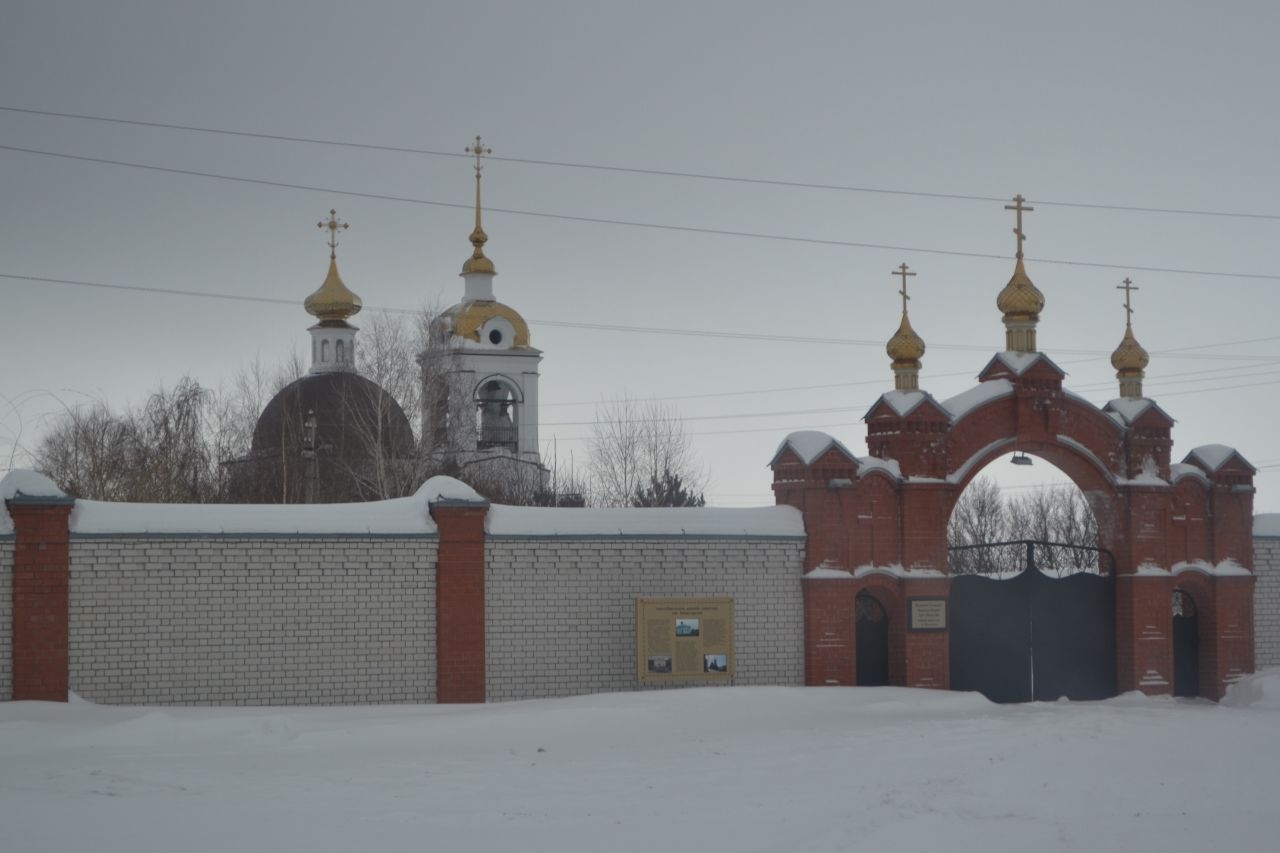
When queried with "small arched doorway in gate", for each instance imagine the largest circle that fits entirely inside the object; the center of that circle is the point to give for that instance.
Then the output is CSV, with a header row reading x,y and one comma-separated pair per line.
x,y
872,639
1186,645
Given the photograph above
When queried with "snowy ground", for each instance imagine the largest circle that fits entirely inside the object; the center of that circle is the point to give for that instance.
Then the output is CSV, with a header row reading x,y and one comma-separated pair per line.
x,y
741,769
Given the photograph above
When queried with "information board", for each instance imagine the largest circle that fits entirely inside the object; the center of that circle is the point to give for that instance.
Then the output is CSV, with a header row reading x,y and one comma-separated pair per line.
x,y
927,614
683,639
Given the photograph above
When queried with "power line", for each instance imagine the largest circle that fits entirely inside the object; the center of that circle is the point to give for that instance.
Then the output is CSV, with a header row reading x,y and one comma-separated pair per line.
x,y
657,226
612,327
703,176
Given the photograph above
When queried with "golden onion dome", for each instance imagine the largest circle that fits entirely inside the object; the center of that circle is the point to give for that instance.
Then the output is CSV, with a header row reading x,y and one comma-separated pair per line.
x,y
333,303
469,319
1020,297
478,262
905,345
1130,355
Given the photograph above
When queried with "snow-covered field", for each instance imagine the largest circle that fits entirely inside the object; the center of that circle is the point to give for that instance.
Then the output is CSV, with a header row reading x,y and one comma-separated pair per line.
x,y
739,769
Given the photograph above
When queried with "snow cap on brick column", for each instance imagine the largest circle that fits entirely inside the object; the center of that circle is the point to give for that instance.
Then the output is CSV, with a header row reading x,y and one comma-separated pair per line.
x,y
27,487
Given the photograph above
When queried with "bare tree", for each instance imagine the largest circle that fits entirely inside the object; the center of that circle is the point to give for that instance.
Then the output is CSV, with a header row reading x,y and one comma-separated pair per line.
x,y
160,452
86,451
984,516
632,444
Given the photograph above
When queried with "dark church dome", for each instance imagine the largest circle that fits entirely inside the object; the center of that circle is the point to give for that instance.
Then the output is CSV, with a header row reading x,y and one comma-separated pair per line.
x,y
361,439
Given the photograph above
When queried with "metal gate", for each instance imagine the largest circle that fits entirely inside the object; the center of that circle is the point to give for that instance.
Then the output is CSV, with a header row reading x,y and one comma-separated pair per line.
x,y
1033,621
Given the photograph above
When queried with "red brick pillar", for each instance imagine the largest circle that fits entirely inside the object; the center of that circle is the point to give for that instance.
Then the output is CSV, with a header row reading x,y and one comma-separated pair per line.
x,y
41,590
829,652
460,630
1144,634
1232,649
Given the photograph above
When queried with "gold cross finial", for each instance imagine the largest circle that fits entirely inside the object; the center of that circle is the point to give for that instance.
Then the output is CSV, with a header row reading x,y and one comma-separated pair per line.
x,y
1128,287
333,225
478,262
1020,208
479,151
902,271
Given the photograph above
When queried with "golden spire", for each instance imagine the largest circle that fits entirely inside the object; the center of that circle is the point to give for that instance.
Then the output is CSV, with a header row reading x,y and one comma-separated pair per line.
x,y
333,303
478,262
905,347
1020,301
1130,359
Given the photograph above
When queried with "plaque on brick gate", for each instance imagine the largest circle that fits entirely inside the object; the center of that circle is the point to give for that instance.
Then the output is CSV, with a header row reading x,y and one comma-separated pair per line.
x,y
684,639
927,613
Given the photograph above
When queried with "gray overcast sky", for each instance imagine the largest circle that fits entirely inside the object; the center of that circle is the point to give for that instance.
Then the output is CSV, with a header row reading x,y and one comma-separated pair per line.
x,y
1158,105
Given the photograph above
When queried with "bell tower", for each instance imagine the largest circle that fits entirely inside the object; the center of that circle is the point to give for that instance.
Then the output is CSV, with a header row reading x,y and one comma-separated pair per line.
x,y
487,413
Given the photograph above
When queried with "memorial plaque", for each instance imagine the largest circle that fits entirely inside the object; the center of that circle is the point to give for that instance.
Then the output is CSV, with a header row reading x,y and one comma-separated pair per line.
x,y
927,614
684,639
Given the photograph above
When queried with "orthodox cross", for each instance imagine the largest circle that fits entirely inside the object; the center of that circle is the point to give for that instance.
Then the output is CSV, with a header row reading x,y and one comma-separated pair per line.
x,y
333,225
1127,287
1020,208
479,151
902,271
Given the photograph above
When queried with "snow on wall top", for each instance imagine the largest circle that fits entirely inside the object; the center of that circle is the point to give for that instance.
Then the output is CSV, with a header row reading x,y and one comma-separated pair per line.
x,y
1129,408
400,515
28,483
963,403
866,464
408,515
809,444
1018,361
448,489
903,402
1267,524
1214,456
647,521
1178,470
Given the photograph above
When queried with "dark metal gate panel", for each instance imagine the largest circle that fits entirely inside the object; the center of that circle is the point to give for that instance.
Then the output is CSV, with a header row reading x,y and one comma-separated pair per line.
x,y
1073,639
1033,636
991,638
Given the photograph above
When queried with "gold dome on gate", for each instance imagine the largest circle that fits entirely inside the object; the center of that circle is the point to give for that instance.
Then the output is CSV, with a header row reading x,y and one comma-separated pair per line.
x,y
334,302
1020,297
905,345
1130,360
1130,355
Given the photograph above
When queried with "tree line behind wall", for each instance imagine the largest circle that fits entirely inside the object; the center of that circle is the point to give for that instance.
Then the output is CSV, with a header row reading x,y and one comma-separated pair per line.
x,y
985,515
193,443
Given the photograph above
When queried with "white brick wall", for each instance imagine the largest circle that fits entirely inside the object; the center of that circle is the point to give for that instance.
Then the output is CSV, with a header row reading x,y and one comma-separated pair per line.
x,y
1266,602
6,619
253,621
536,587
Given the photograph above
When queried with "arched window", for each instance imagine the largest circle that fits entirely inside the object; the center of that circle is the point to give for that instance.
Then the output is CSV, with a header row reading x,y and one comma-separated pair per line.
x,y
324,352
341,348
496,416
